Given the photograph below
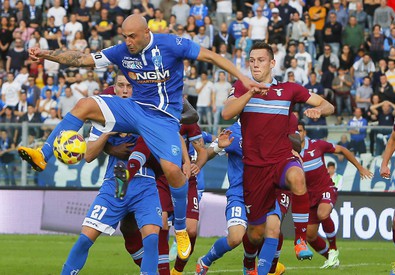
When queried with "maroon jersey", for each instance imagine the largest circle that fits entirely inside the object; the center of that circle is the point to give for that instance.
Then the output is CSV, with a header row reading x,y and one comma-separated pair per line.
x,y
317,177
190,132
265,122
293,124
109,91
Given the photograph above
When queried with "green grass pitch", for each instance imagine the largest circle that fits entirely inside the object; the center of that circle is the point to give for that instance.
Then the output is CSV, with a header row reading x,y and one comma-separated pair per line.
x,y
45,254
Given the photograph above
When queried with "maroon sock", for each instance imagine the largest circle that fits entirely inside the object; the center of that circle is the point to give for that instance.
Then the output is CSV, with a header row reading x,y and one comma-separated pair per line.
x,y
133,166
180,264
300,215
320,246
277,255
329,229
133,243
163,265
250,253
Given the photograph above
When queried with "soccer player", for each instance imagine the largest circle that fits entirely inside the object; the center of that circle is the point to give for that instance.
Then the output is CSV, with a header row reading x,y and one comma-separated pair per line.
x,y
268,160
323,193
336,178
153,64
106,211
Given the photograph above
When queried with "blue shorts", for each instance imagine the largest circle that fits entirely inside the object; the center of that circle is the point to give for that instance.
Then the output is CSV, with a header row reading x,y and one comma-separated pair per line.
x,y
235,212
159,130
141,198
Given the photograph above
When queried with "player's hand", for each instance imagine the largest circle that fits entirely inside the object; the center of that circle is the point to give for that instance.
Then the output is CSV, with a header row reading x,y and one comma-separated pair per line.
x,y
224,140
35,53
194,169
121,151
255,87
296,154
385,172
313,113
365,174
186,169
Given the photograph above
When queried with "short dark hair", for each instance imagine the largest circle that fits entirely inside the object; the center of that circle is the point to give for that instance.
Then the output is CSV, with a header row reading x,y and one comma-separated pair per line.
x,y
263,46
301,123
331,163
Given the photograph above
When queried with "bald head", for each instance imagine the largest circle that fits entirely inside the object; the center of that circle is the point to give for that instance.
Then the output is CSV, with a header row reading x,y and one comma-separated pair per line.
x,y
136,33
135,20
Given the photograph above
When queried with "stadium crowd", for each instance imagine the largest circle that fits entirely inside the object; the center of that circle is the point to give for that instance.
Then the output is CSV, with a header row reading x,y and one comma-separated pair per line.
x,y
341,50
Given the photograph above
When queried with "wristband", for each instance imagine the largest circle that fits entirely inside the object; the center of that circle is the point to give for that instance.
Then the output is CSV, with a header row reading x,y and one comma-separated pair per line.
x,y
217,149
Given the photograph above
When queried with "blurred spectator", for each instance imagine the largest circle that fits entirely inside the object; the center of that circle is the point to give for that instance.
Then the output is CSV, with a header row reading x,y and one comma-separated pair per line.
x,y
257,29
291,78
7,158
385,112
191,27
325,60
304,59
296,30
361,68
199,11
31,116
315,87
165,6
6,10
223,12
10,91
52,68
50,85
344,141
109,75
300,75
333,33
51,34
172,26
341,84
95,13
72,28
104,27
79,88
83,16
66,103
250,15
114,10
309,38
5,41
22,76
25,31
46,104
78,43
204,41
18,12
360,15
244,43
384,90
353,35
204,88
190,86
91,83
95,40
61,87
286,11
326,81
390,73
220,93
33,93
223,52
181,32
389,42
16,57
69,74
381,69
181,11
38,41
346,58
7,118
363,95
126,6
391,54
57,11
210,30
146,9
157,24
21,107
51,121
239,59
317,15
223,37
276,29
291,52
375,43
340,11
32,14
384,16
357,132
278,69
236,26
318,132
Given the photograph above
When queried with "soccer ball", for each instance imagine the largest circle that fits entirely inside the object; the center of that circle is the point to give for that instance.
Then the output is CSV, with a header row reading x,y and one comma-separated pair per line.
x,y
69,147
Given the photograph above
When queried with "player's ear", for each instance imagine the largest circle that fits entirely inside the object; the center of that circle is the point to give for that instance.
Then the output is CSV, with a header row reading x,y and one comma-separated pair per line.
x,y
272,63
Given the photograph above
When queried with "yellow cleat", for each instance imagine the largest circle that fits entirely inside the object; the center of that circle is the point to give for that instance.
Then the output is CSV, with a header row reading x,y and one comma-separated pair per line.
x,y
34,157
280,270
183,244
175,272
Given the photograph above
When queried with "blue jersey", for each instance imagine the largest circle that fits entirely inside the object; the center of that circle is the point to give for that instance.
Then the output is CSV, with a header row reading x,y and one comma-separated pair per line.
x,y
156,73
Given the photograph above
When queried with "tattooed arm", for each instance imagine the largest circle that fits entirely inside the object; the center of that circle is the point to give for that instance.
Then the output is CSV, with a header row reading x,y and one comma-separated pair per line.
x,y
68,57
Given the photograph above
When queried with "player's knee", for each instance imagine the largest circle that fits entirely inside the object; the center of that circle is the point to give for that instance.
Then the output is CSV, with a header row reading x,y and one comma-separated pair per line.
x,y
255,237
296,181
234,241
173,174
323,215
83,108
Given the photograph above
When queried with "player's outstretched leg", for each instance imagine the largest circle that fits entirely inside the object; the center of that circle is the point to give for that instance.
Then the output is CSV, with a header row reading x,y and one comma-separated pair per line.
x,y
86,108
333,254
278,268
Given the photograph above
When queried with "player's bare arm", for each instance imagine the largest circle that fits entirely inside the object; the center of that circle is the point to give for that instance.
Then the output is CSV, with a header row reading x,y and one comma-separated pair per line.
x,y
389,150
235,105
321,107
94,148
198,145
186,166
363,172
224,140
68,57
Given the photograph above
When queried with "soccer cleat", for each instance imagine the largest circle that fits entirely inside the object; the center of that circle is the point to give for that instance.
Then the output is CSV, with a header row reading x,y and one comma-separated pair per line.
x,y
34,157
175,272
183,244
173,251
302,250
201,268
121,174
252,271
280,270
333,259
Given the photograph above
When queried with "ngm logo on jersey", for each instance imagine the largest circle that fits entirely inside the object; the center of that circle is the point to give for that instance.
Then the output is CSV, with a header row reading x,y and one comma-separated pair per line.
x,y
132,63
150,77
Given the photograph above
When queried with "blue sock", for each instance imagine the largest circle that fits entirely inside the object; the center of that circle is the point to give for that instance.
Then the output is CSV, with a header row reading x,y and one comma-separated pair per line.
x,y
69,122
219,248
180,196
266,256
149,264
77,256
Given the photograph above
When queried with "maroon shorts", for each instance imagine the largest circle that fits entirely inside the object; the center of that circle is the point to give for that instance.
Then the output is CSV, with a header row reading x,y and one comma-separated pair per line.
x,y
165,197
284,199
327,195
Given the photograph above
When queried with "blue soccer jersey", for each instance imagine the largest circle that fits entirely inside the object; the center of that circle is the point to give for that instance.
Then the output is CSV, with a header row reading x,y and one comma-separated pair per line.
x,y
156,73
